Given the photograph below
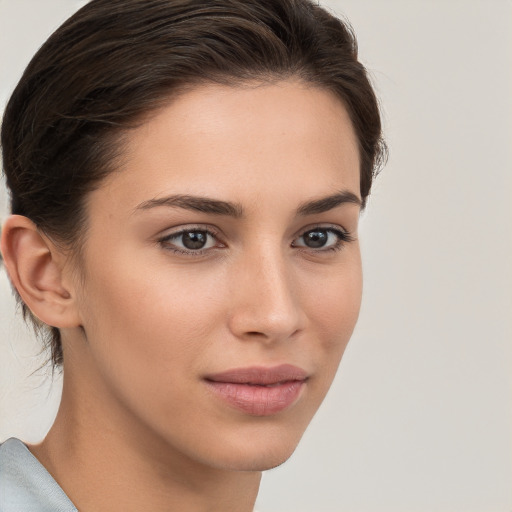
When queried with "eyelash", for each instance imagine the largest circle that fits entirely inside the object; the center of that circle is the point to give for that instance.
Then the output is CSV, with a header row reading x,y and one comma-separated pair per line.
x,y
164,241
343,238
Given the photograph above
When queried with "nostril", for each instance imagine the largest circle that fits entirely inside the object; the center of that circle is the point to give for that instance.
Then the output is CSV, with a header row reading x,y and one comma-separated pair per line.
x,y
256,334
270,336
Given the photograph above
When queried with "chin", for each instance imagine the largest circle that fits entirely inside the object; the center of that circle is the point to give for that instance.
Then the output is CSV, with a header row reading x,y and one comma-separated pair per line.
x,y
256,462
256,453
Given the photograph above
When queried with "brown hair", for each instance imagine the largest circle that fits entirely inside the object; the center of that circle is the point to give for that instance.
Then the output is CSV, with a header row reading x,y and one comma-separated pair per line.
x,y
116,61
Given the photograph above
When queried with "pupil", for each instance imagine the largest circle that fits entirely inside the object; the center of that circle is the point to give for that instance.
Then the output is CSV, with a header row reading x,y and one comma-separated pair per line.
x,y
194,239
317,238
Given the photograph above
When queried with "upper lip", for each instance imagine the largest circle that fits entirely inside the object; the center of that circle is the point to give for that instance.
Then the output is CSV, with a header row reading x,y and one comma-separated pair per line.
x,y
260,375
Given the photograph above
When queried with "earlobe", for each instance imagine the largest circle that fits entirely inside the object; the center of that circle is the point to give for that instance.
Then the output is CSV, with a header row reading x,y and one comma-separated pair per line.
x,y
36,269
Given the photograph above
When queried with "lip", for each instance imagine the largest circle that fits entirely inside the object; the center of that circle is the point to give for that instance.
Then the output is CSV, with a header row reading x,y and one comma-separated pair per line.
x,y
257,390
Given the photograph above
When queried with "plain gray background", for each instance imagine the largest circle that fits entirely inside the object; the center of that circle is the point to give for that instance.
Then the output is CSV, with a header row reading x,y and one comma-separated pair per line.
x,y
420,415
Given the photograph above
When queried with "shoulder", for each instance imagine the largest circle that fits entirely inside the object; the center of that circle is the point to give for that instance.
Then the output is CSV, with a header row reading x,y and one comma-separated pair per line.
x,y
25,484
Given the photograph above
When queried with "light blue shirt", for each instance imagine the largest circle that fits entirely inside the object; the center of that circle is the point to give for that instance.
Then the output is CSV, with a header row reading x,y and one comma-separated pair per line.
x,y
25,485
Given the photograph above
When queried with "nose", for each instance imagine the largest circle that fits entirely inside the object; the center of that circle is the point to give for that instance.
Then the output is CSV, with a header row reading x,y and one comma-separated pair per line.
x,y
265,303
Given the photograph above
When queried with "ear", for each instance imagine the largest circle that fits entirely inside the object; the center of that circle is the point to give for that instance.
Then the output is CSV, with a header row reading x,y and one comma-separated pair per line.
x,y
36,269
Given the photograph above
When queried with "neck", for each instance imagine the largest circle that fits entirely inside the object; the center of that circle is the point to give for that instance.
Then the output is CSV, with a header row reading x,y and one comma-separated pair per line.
x,y
106,463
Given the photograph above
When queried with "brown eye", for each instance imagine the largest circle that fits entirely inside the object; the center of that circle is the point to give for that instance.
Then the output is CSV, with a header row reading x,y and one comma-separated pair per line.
x,y
323,239
189,241
316,238
194,239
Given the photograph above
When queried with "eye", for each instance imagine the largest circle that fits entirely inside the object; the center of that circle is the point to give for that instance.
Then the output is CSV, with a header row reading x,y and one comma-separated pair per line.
x,y
190,241
323,239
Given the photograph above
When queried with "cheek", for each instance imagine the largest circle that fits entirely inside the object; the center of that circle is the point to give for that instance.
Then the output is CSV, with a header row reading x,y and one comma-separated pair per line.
x,y
149,332
336,303
139,315
334,310
152,307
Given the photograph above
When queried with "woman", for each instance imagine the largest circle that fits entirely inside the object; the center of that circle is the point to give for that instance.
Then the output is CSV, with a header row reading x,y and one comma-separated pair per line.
x,y
186,182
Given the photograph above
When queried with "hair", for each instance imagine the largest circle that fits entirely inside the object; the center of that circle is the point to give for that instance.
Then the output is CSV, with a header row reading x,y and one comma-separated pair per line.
x,y
114,62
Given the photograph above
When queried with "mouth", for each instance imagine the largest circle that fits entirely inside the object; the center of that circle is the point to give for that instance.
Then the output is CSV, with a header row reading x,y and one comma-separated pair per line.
x,y
259,391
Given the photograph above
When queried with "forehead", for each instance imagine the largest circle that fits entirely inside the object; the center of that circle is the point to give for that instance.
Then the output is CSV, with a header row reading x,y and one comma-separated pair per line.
x,y
285,138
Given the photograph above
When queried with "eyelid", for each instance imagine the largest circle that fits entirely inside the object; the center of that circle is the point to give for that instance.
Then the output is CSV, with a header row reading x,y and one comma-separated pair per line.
x,y
328,227
170,235
344,237
170,232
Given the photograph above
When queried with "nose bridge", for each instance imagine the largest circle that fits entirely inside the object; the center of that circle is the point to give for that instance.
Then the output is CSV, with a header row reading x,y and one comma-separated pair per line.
x,y
264,301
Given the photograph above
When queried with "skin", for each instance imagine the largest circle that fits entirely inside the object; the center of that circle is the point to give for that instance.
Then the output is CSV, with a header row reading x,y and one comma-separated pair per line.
x,y
142,324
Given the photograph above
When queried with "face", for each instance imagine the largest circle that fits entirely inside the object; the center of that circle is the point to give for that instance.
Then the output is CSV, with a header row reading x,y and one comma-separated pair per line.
x,y
221,273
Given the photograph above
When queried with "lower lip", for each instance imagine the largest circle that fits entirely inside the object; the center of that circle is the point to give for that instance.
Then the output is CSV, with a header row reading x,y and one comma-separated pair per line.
x,y
258,400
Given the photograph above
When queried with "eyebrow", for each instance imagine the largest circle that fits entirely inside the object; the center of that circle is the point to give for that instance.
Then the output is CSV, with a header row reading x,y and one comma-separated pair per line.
x,y
328,203
218,207
195,203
